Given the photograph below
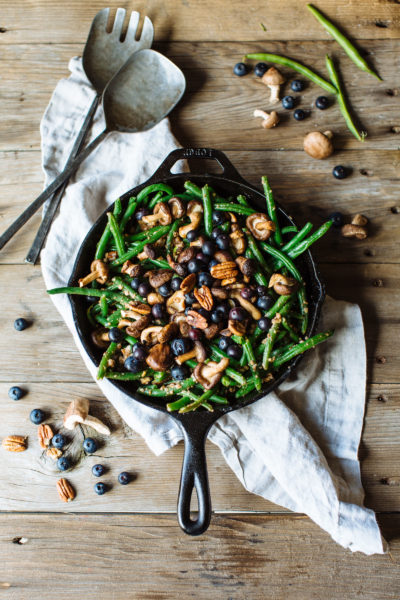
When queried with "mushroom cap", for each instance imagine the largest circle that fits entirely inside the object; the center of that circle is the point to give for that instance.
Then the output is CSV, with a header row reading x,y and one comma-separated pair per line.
x,y
271,121
99,337
246,265
273,77
162,209
159,277
282,284
187,254
260,226
77,412
317,145
150,334
176,302
137,327
351,230
168,332
148,251
101,268
160,357
238,241
177,207
209,374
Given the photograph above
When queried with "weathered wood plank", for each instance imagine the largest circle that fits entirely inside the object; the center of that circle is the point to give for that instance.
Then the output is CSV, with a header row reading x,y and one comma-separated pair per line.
x,y
157,478
217,109
304,186
147,557
203,21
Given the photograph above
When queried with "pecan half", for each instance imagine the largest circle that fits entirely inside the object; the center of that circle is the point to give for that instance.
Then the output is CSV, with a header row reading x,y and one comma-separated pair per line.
x,y
228,281
188,283
196,320
204,297
237,327
45,433
168,332
14,443
54,453
139,307
65,490
224,270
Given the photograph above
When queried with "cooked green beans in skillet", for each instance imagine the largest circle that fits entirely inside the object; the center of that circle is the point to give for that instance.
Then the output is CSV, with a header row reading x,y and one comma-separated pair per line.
x,y
194,298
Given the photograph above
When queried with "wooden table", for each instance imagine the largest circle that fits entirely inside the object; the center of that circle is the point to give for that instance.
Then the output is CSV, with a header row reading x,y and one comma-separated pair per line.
x,y
127,544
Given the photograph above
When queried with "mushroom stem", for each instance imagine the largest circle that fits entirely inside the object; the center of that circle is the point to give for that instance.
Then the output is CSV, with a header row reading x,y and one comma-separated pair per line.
x,y
187,356
89,278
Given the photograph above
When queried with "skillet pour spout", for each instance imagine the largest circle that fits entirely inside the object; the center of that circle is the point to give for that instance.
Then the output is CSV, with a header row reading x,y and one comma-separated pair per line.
x,y
195,426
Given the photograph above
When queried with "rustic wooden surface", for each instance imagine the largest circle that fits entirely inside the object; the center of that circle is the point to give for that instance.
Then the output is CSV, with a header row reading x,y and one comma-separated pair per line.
x,y
243,556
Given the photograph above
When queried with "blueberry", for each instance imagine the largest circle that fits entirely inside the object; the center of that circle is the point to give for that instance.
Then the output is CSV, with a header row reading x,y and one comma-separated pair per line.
x,y
322,102
190,299
223,241
180,346
144,289
195,334
176,283
63,463
204,313
124,478
138,351
165,290
37,416
133,365
262,290
116,335
247,293
205,258
15,393
100,488
240,69
98,470
223,309
212,263
90,445
157,310
340,172
264,302
264,323
217,316
180,372
260,69
234,351
288,102
218,217
205,278
195,265
58,441
336,218
224,342
209,247
192,235
297,85
136,281
238,314
21,324
142,212
215,233
299,114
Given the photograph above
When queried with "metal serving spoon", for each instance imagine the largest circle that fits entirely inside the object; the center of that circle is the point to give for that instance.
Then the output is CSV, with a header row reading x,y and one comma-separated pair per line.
x,y
103,56
141,94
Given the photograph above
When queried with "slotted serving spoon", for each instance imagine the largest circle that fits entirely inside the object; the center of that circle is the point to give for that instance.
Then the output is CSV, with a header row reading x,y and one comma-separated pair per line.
x,y
103,56
139,96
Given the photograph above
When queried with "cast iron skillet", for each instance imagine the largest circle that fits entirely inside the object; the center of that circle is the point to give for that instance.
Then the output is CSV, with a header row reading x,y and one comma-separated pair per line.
x,y
195,426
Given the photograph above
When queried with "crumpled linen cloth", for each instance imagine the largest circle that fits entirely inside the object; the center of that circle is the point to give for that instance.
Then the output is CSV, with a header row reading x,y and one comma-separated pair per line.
x,y
297,447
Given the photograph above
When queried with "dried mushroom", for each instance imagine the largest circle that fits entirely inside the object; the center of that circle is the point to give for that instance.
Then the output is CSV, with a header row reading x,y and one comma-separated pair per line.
x,y
260,226
98,272
160,357
282,284
161,215
195,212
208,375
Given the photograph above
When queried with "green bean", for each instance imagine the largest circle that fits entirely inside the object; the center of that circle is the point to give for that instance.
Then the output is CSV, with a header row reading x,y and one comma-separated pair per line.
x,y
347,46
260,278
183,401
130,211
271,209
302,347
142,235
197,401
90,316
157,198
242,200
207,210
128,289
152,237
296,66
219,399
116,233
193,189
257,254
160,376
103,241
305,244
301,294
249,387
277,307
124,376
235,208
170,237
131,340
269,344
283,258
155,187
104,360
248,349
298,237
104,306
159,262
290,330
289,229
333,74
217,354
282,349
89,292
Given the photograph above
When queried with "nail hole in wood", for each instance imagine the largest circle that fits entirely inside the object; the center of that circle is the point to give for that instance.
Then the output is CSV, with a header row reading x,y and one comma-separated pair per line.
x,y
377,283
366,172
395,210
369,252
19,540
382,398
3,30
382,24
393,92
380,360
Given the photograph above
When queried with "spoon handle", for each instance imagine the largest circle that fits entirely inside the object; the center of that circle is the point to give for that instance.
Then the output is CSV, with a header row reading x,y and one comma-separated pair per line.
x,y
54,202
55,184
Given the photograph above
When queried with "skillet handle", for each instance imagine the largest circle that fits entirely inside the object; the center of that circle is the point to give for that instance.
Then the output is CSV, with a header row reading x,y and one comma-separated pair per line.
x,y
229,171
194,477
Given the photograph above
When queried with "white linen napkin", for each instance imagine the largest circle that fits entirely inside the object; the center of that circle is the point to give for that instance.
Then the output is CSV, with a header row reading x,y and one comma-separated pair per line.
x,y
297,447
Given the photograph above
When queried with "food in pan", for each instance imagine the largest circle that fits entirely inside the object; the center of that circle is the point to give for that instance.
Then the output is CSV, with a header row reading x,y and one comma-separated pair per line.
x,y
197,296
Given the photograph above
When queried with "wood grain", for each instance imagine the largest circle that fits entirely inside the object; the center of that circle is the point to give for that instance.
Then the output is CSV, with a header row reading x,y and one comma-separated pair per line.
x,y
146,557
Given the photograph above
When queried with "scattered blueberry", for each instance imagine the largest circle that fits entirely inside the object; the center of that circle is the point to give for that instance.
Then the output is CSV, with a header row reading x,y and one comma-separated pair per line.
x,y
192,235
223,241
217,316
165,290
21,324
100,488
136,281
224,342
223,309
215,233
297,85
218,217
133,365
142,212
124,478
212,263
180,372
98,470
340,172
139,351
157,310
209,247
262,290
190,299
264,302
264,323
205,278
234,351
299,114
116,335
205,313
205,258
180,346
240,69
288,102
176,283
247,293
144,289
37,416
238,314
63,463
195,334
90,445
322,102
15,393
58,441
195,265
336,218
260,69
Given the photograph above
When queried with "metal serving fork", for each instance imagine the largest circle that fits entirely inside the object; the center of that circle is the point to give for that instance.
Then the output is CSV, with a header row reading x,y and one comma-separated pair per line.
x,y
103,56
